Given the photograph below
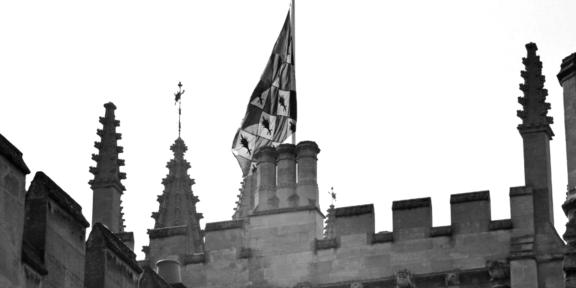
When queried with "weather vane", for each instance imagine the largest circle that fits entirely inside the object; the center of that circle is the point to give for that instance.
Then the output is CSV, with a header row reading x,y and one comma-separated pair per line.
x,y
332,195
177,99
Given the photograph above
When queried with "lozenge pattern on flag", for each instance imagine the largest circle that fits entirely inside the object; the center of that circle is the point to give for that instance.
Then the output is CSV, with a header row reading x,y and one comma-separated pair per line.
x,y
271,113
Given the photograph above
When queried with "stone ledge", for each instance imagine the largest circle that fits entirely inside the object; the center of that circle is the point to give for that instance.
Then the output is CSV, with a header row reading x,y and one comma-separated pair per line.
x,y
287,210
441,231
167,231
381,237
324,244
224,225
567,67
12,154
520,191
470,197
411,203
193,258
504,224
354,210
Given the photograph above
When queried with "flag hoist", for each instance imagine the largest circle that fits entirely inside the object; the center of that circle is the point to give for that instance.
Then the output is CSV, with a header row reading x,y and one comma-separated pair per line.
x,y
271,113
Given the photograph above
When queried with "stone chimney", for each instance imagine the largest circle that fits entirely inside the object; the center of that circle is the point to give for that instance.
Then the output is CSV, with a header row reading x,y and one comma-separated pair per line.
x,y
266,198
307,187
286,165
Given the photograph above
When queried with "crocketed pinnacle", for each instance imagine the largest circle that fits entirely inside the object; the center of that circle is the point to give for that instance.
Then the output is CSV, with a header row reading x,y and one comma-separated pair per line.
x,y
245,197
329,223
535,108
177,202
107,171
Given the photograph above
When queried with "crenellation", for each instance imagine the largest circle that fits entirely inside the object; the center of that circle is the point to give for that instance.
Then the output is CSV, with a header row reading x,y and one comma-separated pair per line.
x,y
411,218
440,231
224,235
381,237
470,212
354,220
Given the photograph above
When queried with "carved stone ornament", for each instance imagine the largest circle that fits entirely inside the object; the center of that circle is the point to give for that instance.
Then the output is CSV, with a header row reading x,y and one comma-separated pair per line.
x,y
452,279
499,272
404,279
356,285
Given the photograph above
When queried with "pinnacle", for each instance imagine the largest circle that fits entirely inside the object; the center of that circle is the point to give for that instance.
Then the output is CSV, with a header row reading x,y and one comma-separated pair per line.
x,y
534,106
177,196
107,170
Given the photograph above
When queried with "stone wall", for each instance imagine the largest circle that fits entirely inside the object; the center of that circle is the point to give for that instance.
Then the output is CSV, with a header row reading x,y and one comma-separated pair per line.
x,y
284,247
12,196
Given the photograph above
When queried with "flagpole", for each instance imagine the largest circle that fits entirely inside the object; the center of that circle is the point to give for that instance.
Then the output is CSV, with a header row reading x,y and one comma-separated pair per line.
x,y
293,30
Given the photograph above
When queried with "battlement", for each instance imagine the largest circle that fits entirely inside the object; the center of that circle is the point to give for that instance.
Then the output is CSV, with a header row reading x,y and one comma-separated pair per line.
x,y
286,176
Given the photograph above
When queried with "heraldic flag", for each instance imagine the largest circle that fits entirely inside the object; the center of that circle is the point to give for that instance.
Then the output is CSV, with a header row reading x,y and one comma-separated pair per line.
x,y
271,114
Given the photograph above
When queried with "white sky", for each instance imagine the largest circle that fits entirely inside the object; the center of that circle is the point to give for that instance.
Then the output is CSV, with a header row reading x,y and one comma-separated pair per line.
x,y
406,99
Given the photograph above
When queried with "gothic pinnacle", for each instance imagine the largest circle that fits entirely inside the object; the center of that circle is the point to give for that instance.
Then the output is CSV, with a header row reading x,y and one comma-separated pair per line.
x,y
107,169
534,106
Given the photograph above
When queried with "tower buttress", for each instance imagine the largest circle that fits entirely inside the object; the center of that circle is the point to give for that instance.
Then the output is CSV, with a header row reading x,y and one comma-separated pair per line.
x,y
536,135
567,78
107,186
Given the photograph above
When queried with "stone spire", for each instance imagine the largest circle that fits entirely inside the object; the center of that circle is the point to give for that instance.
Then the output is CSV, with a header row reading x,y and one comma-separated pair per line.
x,y
177,202
106,185
536,135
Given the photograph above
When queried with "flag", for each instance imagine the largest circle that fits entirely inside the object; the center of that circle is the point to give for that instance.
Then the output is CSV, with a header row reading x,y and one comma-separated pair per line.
x,y
271,113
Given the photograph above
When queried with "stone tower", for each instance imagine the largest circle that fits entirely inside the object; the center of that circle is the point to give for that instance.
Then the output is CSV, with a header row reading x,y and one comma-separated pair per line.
x,y
107,183
536,135
567,78
177,229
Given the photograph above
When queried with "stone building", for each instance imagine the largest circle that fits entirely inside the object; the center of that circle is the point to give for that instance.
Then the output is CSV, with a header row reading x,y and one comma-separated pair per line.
x,y
279,236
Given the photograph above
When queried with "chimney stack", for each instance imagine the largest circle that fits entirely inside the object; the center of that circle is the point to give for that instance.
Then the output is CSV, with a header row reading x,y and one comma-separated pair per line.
x,y
307,187
266,198
287,175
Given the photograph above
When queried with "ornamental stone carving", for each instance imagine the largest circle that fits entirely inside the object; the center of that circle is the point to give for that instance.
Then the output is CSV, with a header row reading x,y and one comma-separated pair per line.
x,y
356,285
404,279
499,272
452,279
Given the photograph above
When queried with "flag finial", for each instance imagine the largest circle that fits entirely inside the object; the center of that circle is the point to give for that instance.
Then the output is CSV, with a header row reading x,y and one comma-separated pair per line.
x,y
178,99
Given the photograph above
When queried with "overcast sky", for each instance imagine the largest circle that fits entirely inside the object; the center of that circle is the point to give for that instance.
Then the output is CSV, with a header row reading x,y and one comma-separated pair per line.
x,y
406,99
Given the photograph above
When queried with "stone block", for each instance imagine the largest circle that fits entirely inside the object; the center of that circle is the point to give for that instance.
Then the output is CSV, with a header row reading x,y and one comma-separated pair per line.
x,y
470,212
411,219
354,220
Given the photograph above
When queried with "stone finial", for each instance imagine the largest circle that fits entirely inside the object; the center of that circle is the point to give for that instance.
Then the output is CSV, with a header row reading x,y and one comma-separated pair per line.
x,y
499,272
534,106
404,279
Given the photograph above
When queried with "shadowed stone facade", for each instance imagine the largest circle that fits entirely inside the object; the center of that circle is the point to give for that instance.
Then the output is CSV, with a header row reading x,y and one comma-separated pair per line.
x,y
278,236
